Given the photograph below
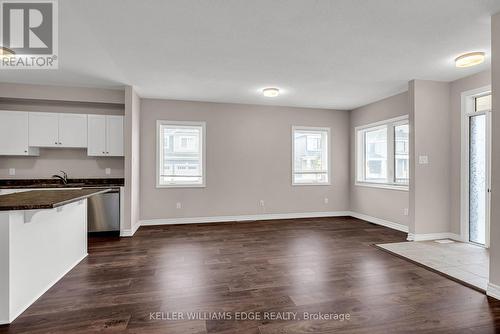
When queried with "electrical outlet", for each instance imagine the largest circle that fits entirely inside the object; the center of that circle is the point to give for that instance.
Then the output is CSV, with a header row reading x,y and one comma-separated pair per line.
x,y
423,159
108,171
325,200
405,211
262,202
178,205
12,171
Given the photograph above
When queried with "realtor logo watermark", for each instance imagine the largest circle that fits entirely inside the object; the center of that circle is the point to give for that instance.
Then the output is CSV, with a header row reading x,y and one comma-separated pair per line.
x,y
29,34
252,315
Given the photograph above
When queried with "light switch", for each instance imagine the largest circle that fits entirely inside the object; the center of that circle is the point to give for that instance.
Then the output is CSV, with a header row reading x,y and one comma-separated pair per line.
x,y
12,171
423,159
108,171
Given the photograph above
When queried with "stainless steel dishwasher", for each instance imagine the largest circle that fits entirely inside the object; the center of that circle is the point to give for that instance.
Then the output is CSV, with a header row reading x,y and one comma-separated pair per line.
x,y
103,212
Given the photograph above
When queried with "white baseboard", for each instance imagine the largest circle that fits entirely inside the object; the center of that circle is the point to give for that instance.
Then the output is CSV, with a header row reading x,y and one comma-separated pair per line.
x,y
456,237
126,233
241,218
433,236
136,227
272,216
378,221
130,232
493,290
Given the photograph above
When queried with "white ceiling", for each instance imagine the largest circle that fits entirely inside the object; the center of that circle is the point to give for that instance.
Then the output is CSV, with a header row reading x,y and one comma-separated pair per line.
x,y
334,54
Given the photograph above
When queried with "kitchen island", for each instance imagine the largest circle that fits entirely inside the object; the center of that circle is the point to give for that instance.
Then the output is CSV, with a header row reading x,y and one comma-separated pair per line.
x,y
43,235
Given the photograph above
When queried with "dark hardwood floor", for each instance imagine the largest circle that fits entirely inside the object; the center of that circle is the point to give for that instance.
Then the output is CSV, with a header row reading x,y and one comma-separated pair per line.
x,y
323,265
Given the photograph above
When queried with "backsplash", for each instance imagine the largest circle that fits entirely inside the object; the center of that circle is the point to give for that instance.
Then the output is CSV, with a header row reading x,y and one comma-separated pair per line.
x,y
56,183
73,161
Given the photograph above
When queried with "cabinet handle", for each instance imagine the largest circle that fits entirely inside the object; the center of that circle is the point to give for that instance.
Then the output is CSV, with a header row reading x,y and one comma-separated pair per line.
x,y
60,143
25,151
55,143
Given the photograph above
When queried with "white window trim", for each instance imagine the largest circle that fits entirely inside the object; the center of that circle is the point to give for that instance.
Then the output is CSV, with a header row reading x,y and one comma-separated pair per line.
x,y
203,125
359,156
389,186
328,153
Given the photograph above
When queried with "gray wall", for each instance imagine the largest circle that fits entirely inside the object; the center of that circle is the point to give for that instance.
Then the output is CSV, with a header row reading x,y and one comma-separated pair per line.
x,y
74,161
430,128
495,195
366,200
248,159
62,93
457,87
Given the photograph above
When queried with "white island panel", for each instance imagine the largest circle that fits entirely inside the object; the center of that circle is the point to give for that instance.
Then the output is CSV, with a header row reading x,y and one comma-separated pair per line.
x,y
38,247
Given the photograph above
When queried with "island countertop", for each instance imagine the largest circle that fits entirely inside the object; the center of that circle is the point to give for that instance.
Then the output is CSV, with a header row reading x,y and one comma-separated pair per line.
x,y
45,199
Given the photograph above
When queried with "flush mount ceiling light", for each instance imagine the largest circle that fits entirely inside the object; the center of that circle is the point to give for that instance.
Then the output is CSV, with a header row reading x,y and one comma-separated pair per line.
x,y
271,92
470,59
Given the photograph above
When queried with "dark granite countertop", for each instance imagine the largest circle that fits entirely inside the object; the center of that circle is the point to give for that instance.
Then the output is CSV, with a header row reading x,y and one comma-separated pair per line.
x,y
55,183
45,199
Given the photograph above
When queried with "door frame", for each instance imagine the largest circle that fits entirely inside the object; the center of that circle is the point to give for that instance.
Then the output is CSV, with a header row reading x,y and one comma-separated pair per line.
x,y
468,111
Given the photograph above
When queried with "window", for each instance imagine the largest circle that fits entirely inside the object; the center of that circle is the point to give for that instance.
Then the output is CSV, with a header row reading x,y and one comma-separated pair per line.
x,y
375,153
382,156
180,154
401,154
310,156
482,103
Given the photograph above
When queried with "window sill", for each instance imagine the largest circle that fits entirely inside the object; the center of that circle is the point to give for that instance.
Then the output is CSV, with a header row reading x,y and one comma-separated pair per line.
x,y
160,186
311,184
383,186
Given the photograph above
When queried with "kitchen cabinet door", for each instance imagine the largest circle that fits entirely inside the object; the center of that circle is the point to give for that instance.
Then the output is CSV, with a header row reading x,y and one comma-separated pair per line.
x,y
14,134
43,129
96,135
73,130
114,135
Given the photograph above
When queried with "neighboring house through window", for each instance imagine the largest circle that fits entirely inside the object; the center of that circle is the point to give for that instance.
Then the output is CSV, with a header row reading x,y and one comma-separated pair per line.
x,y
382,153
311,164
180,154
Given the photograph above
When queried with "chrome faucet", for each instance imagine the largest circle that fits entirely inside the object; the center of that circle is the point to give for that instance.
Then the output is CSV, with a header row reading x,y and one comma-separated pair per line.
x,y
63,178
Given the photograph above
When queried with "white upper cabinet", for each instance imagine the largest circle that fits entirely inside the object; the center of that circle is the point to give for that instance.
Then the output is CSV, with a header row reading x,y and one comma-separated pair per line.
x,y
73,130
57,130
96,135
14,134
105,135
22,133
114,135
43,129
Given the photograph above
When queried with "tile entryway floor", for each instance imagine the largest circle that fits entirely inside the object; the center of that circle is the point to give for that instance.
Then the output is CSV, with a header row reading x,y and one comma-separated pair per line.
x,y
462,261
